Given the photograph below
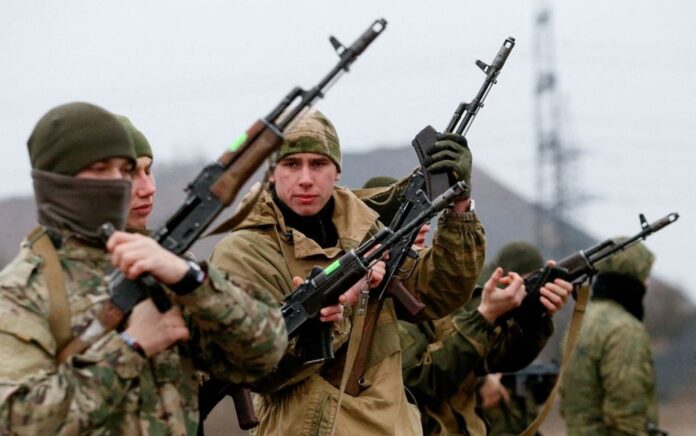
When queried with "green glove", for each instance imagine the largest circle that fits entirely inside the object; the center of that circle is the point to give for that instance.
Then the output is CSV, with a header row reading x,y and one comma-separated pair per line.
x,y
451,154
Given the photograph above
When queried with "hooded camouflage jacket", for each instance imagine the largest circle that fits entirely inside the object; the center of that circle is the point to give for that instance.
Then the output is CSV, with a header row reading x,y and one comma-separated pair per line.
x,y
444,358
609,385
109,388
298,399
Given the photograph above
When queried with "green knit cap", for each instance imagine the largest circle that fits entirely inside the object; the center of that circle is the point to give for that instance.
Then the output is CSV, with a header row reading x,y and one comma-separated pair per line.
x,y
313,133
71,137
385,209
379,182
140,142
636,261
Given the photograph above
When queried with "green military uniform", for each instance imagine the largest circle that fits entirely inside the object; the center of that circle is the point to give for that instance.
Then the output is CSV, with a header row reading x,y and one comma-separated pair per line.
x,y
299,399
443,359
110,388
609,385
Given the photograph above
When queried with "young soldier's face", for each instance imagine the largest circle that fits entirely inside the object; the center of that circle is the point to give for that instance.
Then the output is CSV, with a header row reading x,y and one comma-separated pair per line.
x,y
142,193
112,168
305,182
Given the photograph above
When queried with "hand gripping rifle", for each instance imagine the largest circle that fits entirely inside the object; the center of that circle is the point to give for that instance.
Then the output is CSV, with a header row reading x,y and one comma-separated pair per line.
x,y
414,199
215,188
433,184
578,267
323,286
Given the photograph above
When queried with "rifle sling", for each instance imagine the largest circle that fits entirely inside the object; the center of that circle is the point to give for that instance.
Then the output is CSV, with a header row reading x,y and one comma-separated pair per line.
x,y
356,334
374,308
58,306
573,331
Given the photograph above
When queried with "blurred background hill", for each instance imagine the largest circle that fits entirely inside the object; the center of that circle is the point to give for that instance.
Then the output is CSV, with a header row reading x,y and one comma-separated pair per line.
x,y
670,315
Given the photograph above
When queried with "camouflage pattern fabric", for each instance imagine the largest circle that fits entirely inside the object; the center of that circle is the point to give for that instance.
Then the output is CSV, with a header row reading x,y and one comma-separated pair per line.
x,y
298,399
110,389
442,360
312,133
609,385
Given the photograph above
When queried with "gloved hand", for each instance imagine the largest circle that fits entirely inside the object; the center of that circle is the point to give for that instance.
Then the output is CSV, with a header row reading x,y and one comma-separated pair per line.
x,y
451,154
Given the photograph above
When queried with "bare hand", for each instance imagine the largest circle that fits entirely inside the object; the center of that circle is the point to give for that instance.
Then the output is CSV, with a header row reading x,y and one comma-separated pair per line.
x,y
135,254
492,391
555,295
156,331
334,313
496,301
419,242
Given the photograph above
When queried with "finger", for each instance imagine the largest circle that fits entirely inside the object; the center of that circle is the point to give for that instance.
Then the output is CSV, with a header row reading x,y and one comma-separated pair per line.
x,y
551,296
442,166
178,333
459,139
494,278
551,263
565,285
550,307
331,310
297,281
505,394
445,150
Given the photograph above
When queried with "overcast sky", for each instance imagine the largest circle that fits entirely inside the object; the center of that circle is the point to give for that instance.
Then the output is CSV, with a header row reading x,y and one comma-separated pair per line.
x,y
193,75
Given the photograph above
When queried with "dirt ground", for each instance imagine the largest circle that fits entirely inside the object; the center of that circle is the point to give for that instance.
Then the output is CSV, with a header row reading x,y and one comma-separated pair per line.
x,y
677,417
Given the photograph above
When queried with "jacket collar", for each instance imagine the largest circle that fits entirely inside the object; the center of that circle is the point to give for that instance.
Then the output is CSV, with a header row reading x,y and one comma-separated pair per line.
x,y
352,218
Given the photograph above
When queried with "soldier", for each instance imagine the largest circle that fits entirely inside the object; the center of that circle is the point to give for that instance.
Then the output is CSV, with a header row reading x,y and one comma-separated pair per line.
x,y
444,359
142,180
303,219
138,379
609,385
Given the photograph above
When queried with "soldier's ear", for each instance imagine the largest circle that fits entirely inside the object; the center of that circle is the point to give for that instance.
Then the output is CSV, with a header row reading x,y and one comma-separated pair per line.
x,y
338,176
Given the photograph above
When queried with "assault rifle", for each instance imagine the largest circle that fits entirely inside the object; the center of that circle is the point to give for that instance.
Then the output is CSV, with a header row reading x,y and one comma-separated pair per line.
x,y
579,266
421,186
434,184
213,190
218,184
323,286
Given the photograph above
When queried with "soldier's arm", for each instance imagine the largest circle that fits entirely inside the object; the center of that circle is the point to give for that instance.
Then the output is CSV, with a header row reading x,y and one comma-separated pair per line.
x,y
436,370
254,261
242,334
38,396
627,379
518,344
445,274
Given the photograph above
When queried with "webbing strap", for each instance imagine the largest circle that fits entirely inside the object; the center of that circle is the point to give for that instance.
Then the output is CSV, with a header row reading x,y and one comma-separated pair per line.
x,y
573,331
58,306
353,347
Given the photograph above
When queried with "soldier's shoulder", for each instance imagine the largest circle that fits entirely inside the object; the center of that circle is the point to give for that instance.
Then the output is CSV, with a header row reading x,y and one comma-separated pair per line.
x,y
244,240
21,269
611,315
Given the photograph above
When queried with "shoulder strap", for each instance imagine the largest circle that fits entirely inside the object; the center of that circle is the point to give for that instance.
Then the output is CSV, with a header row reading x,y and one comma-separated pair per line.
x,y
573,330
353,345
58,306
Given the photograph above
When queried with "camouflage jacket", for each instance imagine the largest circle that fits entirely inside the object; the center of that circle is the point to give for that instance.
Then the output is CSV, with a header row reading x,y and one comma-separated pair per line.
x,y
299,399
609,385
444,358
109,388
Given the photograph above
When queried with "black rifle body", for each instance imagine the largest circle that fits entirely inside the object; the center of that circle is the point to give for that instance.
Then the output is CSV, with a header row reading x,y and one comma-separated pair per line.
x,y
577,267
